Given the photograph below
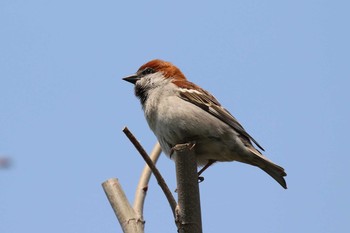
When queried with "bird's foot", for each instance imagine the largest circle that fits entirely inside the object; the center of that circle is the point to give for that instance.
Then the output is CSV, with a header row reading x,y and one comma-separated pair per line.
x,y
178,147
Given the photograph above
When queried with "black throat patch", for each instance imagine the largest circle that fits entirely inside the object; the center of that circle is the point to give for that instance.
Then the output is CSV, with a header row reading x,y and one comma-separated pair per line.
x,y
141,93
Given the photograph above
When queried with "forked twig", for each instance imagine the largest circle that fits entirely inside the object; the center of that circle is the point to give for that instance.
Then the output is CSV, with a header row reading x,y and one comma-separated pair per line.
x,y
154,170
127,217
142,186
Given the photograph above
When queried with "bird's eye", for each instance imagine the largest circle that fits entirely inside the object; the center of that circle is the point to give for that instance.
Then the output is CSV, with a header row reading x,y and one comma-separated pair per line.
x,y
147,71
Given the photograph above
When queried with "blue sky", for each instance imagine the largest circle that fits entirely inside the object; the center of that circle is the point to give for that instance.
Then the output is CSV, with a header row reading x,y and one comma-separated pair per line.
x,y
281,67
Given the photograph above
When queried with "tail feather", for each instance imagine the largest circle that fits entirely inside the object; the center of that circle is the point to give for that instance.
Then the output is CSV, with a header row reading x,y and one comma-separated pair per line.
x,y
277,173
269,167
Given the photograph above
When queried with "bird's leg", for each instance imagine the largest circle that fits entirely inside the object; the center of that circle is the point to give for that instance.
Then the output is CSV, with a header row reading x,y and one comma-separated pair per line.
x,y
210,162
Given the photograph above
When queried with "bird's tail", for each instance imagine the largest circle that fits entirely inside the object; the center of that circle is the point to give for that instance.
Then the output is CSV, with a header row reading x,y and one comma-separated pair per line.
x,y
269,167
277,173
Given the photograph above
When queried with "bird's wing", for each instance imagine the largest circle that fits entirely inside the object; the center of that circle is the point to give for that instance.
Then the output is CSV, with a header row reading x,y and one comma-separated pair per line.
x,y
207,102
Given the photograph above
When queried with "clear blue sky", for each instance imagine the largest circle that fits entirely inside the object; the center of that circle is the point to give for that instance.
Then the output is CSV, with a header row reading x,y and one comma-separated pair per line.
x,y
281,67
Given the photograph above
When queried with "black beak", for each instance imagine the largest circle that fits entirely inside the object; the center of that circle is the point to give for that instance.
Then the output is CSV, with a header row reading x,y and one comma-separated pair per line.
x,y
132,78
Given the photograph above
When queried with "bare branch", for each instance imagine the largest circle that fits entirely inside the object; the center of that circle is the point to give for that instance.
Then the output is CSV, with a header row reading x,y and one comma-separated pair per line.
x,y
153,168
127,217
142,187
188,211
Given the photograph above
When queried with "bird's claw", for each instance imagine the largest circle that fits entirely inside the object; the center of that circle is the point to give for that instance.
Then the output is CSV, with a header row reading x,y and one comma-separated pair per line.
x,y
177,147
200,179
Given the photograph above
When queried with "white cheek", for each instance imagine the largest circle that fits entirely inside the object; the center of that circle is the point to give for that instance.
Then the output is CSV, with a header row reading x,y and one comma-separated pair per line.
x,y
142,82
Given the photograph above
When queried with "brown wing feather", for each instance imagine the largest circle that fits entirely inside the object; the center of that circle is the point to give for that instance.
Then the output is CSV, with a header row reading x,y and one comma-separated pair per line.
x,y
208,103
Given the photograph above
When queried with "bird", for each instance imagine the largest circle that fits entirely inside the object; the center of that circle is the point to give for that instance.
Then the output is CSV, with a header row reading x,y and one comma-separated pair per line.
x,y
179,111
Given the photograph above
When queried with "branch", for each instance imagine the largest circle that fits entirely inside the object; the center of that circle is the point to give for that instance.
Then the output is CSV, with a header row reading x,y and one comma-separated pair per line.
x,y
153,168
188,211
142,187
127,217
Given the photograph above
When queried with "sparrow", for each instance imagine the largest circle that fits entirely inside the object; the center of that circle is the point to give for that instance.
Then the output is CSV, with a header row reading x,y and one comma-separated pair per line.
x,y
178,111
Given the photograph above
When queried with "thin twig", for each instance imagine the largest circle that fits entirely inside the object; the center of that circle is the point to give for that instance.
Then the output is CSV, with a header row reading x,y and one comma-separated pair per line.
x,y
142,186
154,170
